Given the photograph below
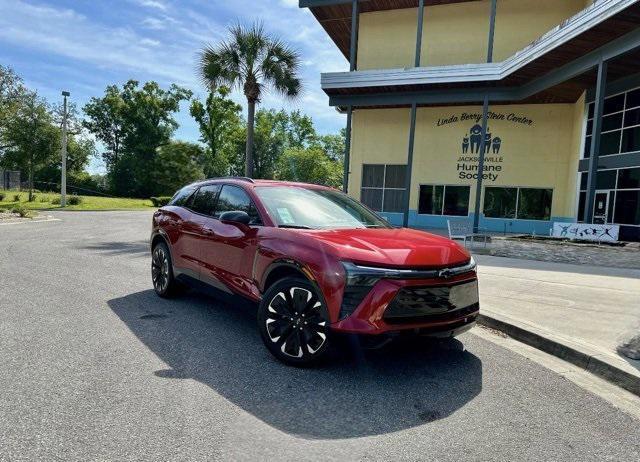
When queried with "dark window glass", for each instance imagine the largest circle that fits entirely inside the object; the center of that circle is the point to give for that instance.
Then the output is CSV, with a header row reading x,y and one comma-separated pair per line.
x,y
395,177
631,140
589,127
430,201
581,204
372,176
612,122
606,179
628,207
393,200
587,147
456,200
500,202
205,199
181,197
233,198
629,178
610,143
535,204
633,98
632,117
584,178
613,104
591,109
612,199
372,198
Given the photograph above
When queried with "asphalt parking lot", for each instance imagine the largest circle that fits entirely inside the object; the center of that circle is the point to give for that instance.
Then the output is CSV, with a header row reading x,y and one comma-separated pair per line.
x,y
94,366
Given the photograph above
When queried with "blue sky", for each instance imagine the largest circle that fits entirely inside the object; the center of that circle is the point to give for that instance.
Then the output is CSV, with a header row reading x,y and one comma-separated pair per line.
x,y
84,45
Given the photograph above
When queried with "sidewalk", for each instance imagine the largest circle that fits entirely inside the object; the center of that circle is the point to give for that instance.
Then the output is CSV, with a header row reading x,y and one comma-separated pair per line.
x,y
577,312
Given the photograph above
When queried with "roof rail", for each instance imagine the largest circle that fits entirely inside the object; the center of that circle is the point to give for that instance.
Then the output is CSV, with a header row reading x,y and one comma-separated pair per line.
x,y
240,178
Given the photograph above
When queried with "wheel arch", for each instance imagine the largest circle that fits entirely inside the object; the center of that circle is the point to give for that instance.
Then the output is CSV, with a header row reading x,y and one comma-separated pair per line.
x,y
282,269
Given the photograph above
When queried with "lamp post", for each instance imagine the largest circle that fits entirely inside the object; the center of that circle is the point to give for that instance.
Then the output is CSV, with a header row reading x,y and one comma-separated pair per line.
x,y
63,182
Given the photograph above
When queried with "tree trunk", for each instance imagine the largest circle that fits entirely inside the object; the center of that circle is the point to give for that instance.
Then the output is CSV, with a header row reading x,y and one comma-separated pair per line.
x,y
30,182
251,108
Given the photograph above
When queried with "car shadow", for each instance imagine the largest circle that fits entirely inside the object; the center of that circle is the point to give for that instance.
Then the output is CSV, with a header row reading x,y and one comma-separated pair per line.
x,y
119,248
356,393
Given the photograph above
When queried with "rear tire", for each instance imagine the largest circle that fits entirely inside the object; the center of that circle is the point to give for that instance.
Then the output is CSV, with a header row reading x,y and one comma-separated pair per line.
x,y
294,322
162,277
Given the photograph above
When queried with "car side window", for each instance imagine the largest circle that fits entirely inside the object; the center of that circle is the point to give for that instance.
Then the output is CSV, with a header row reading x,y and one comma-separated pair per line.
x,y
233,198
181,198
204,201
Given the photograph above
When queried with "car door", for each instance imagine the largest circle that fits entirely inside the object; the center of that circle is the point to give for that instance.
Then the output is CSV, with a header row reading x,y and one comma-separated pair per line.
x,y
230,248
193,236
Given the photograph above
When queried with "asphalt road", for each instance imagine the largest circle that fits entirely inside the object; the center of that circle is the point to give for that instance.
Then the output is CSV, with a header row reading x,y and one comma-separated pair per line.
x,y
94,366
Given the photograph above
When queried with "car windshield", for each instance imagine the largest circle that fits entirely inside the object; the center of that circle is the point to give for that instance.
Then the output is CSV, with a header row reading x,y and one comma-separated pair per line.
x,y
310,208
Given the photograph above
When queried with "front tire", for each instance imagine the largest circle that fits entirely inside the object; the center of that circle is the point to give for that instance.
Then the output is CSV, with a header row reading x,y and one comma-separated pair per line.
x,y
294,323
162,277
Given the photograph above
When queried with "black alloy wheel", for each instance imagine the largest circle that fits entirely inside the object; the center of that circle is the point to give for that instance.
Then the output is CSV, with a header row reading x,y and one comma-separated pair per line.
x,y
162,271
293,322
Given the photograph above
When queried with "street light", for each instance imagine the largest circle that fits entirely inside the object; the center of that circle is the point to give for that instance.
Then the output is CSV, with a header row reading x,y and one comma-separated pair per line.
x,y
63,183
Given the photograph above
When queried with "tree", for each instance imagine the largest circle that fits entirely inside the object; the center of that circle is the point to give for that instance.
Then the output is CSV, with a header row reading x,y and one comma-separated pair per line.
x,y
218,120
134,121
177,164
32,139
252,61
105,121
80,150
309,165
12,94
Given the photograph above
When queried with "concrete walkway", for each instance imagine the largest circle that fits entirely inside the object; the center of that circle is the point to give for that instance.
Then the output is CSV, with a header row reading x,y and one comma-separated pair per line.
x,y
582,308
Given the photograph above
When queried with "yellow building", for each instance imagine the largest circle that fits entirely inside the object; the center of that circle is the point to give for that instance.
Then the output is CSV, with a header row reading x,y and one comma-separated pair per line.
x,y
541,96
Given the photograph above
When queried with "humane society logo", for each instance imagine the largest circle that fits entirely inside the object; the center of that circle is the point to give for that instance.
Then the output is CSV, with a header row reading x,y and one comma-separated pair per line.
x,y
467,165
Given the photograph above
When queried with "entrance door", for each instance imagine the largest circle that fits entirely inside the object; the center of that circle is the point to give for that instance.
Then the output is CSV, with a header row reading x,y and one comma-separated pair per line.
x,y
601,207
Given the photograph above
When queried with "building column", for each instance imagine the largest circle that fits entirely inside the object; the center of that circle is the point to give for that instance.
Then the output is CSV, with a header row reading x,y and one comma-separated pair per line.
x,y
595,141
485,114
412,122
353,58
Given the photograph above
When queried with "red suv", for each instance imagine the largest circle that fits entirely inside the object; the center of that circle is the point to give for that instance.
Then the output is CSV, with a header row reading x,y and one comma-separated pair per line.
x,y
317,262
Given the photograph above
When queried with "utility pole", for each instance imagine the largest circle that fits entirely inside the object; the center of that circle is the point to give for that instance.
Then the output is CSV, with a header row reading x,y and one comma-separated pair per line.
x,y
63,183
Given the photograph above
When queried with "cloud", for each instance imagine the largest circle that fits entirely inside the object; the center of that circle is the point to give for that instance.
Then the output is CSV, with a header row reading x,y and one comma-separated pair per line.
x,y
152,4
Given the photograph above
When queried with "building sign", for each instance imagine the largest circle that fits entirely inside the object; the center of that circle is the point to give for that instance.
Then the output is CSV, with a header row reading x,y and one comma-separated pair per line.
x,y
468,156
587,232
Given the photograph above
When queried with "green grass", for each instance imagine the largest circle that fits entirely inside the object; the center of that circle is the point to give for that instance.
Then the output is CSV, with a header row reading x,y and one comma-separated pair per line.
x,y
43,201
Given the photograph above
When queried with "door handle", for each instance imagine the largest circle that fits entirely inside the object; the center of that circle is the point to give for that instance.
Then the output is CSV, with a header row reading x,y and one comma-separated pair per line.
x,y
208,232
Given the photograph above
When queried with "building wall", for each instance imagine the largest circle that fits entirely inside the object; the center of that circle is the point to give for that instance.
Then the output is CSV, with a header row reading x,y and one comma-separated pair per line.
x,y
540,146
457,33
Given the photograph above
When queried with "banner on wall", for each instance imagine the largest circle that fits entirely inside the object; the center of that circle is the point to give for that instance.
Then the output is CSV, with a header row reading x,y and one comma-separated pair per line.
x,y
467,160
587,232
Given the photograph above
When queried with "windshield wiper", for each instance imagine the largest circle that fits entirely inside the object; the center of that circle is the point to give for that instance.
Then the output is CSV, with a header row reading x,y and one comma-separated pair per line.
x,y
295,226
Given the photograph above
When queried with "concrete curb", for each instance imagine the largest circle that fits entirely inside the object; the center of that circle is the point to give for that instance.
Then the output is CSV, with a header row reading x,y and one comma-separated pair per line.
x,y
582,356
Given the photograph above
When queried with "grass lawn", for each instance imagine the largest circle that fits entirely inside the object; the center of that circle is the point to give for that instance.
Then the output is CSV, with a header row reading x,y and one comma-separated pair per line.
x,y
43,201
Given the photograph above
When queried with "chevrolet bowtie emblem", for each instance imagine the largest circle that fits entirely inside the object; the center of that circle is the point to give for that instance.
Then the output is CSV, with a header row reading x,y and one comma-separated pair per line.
x,y
445,273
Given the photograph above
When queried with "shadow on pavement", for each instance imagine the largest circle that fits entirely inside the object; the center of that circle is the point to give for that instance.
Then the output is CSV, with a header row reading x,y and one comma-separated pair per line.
x,y
116,248
355,394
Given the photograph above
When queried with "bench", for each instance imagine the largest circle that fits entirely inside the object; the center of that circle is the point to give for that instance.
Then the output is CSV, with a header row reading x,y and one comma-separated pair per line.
x,y
463,229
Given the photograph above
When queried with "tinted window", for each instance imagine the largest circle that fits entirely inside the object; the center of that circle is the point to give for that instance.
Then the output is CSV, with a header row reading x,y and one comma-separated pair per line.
x,y
205,199
612,122
629,178
181,197
372,176
393,200
430,201
500,202
395,176
628,207
535,204
613,104
606,179
610,143
372,198
456,200
233,198
631,140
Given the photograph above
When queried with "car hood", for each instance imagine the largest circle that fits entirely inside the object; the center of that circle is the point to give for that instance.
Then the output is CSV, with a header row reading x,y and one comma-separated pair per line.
x,y
392,247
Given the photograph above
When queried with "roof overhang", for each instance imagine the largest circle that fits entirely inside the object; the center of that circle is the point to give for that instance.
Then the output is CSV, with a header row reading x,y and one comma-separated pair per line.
x,y
335,15
556,61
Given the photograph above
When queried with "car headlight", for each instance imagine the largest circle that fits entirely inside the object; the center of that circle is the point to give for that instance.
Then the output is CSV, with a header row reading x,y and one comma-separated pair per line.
x,y
359,281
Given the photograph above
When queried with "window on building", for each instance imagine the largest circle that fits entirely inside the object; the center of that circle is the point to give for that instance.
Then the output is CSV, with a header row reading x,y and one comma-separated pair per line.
x,y
620,125
444,200
518,203
623,186
383,187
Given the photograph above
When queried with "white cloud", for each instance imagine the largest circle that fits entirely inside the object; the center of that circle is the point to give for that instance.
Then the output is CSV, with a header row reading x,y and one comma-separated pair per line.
x,y
289,3
152,4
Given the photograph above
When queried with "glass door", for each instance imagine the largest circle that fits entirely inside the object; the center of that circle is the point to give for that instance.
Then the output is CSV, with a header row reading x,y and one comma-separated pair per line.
x,y
601,207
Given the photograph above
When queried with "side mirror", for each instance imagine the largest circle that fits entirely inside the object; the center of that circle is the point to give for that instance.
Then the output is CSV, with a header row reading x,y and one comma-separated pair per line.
x,y
235,217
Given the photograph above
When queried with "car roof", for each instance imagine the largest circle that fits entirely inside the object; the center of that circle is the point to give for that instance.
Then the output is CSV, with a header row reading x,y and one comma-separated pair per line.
x,y
252,183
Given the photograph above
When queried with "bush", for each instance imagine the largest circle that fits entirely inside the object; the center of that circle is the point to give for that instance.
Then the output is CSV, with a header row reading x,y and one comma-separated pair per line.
x,y
55,201
23,212
33,198
74,200
16,198
2,196
3,211
44,198
160,201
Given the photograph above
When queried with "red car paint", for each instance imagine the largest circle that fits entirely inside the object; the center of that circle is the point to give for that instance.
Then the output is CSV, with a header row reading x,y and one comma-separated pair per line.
x,y
243,260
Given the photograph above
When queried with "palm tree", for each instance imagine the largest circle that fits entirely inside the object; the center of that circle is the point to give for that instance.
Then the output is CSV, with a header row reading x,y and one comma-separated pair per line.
x,y
252,61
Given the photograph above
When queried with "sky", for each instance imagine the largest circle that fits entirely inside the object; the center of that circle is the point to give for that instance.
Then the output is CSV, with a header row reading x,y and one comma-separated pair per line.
x,y
84,45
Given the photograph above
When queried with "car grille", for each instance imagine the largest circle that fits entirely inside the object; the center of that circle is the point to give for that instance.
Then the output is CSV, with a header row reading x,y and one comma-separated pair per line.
x,y
429,303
